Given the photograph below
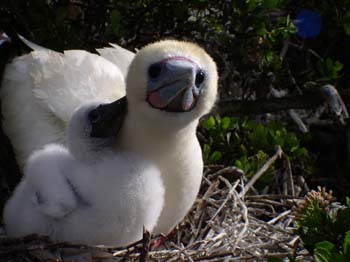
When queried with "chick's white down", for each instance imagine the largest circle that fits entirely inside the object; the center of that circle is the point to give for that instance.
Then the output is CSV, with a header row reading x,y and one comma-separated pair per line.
x,y
98,195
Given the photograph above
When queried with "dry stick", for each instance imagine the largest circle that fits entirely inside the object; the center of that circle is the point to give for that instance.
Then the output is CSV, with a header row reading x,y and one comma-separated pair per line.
x,y
335,101
227,170
280,216
145,245
284,49
262,170
292,113
245,218
297,119
203,202
295,243
183,250
225,201
273,196
289,172
268,226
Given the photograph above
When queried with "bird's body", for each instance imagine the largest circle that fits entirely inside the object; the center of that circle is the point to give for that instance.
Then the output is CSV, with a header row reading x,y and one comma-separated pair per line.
x,y
179,159
89,193
41,90
169,86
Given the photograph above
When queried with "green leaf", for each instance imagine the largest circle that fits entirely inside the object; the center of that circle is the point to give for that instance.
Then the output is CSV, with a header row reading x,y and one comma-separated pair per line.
x,y
209,123
347,201
239,164
225,123
346,244
323,251
333,68
342,223
337,66
336,257
206,152
269,56
271,4
252,5
216,156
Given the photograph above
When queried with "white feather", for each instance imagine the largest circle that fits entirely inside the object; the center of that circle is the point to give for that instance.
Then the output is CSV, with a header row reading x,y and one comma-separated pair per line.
x,y
41,90
89,202
32,45
63,82
119,56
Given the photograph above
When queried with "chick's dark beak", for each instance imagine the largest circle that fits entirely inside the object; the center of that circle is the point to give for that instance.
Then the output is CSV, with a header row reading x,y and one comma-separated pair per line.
x,y
107,119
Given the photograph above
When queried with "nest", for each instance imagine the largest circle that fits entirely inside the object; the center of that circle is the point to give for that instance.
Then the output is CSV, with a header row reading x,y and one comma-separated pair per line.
x,y
224,224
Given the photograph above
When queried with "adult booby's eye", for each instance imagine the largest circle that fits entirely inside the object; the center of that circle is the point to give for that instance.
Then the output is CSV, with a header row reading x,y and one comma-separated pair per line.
x,y
200,76
154,70
94,115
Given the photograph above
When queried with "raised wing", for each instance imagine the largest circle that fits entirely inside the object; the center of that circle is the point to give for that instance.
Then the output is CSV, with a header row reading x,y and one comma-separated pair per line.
x,y
62,82
32,45
40,91
119,56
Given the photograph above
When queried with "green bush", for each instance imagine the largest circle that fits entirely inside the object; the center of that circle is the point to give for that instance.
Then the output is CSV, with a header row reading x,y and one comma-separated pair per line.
x,y
324,227
248,144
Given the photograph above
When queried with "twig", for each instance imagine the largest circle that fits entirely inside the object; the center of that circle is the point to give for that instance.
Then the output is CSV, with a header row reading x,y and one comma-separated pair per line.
x,y
292,113
262,170
225,201
335,102
289,173
280,216
227,170
145,245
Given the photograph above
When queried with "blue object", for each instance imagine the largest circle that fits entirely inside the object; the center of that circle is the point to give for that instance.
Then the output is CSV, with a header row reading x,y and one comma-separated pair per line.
x,y
308,23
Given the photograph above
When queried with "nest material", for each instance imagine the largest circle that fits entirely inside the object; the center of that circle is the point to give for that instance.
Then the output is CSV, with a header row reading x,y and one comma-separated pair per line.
x,y
223,225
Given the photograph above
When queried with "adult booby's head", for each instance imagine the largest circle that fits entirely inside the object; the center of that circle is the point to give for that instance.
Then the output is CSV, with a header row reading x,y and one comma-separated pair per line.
x,y
93,127
173,78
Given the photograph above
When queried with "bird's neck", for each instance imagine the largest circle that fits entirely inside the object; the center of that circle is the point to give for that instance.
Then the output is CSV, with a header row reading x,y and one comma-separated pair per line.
x,y
153,139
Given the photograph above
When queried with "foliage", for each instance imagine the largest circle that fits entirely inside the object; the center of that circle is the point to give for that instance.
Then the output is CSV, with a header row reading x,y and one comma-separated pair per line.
x,y
245,37
324,227
248,144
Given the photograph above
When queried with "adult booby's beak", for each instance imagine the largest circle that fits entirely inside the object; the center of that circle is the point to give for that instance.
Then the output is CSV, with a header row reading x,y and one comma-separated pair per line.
x,y
174,84
107,119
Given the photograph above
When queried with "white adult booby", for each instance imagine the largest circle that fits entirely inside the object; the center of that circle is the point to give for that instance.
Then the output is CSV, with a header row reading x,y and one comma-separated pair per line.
x,y
41,90
90,193
170,85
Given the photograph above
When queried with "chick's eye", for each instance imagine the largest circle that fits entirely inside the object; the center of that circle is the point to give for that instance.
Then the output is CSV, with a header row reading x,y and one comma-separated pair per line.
x,y
200,76
94,116
154,70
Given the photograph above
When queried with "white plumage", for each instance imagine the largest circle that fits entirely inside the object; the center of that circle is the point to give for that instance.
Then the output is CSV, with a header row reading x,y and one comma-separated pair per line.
x,y
170,85
119,56
41,90
166,137
93,195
